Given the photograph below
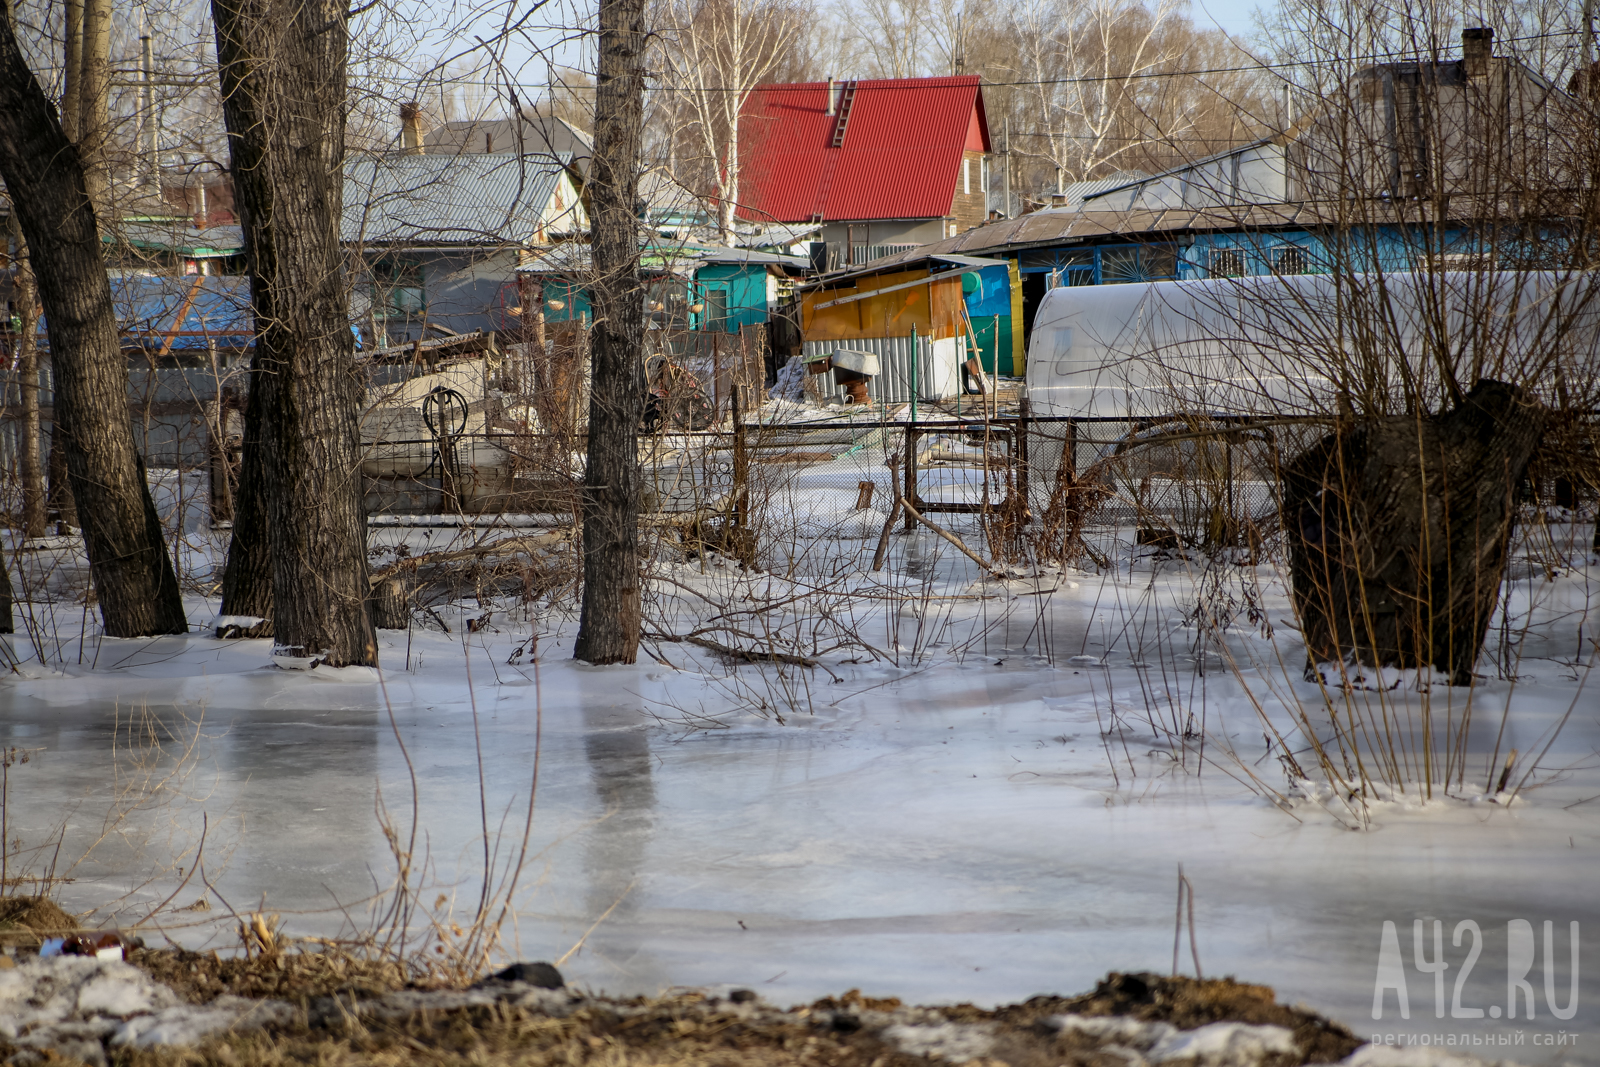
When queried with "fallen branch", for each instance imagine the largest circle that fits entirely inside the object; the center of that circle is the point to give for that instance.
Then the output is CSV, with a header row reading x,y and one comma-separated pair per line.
x,y
522,543
750,655
952,538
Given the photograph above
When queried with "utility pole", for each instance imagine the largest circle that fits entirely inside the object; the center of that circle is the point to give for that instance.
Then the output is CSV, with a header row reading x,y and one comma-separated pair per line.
x,y
1008,166
149,167
1588,38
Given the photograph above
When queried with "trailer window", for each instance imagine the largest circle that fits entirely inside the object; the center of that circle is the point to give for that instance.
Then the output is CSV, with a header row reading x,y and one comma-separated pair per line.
x,y
1227,263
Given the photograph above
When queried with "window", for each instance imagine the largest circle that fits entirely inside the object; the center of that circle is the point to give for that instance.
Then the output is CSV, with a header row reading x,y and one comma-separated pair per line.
x,y
966,174
983,174
398,289
1227,263
1291,259
665,302
717,309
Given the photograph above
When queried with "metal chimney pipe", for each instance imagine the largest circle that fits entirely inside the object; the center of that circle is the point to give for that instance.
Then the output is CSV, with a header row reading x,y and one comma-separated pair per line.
x,y
830,94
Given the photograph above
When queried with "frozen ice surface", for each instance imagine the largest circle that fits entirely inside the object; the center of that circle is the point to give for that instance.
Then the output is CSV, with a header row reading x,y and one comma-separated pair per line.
x,y
978,818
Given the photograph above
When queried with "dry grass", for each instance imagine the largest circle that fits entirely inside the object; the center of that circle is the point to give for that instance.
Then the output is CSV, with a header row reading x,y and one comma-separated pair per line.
x,y
692,1028
292,976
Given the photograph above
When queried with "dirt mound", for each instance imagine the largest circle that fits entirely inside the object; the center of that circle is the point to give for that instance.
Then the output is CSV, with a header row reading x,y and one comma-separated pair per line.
x,y
347,1012
28,920
1188,1003
293,976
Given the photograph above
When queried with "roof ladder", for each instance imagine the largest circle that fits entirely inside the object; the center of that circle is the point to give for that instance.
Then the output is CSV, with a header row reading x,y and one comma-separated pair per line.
x,y
847,95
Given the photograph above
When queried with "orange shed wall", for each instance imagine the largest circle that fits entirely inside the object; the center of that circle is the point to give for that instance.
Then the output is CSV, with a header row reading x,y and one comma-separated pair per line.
x,y
889,315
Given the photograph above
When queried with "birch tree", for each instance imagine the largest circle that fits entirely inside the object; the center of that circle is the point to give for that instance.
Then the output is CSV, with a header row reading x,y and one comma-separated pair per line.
x,y
1107,89
714,53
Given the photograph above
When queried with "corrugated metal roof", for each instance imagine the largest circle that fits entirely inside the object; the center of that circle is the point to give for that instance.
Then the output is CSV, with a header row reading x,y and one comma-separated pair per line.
x,y
1075,193
752,257
777,236
484,198
1043,228
900,157
177,235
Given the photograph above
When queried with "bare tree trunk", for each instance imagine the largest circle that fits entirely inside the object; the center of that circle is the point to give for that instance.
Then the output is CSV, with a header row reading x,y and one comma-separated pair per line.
x,y
247,578
283,76
1398,532
94,96
73,79
58,499
128,561
26,296
608,629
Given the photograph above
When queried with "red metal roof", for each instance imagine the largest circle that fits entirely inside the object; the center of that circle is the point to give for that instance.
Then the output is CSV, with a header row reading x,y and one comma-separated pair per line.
x,y
900,157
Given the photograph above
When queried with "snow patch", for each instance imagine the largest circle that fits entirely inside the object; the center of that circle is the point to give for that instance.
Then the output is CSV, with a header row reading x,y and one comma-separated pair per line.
x,y
952,1042
75,1004
1214,1045
188,1024
1352,675
1416,1056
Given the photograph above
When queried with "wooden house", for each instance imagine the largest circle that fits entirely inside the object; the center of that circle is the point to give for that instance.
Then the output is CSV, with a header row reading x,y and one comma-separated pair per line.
x,y
440,236
880,165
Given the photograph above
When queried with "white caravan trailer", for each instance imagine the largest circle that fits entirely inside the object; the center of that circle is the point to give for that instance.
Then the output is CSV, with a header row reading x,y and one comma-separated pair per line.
x,y
1270,347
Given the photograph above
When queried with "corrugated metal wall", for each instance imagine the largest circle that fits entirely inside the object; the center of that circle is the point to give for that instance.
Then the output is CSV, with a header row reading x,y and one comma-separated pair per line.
x,y
893,382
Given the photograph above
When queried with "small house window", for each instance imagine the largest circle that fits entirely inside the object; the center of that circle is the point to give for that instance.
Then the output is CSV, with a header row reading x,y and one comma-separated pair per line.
x,y
1227,263
398,289
966,175
1291,259
717,309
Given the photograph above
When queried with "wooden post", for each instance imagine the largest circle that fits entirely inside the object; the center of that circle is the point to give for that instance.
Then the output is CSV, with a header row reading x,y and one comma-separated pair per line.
x,y
741,466
1020,448
449,472
910,492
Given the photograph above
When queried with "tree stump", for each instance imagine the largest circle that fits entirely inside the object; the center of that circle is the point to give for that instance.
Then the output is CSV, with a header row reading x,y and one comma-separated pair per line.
x,y
391,605
1399,528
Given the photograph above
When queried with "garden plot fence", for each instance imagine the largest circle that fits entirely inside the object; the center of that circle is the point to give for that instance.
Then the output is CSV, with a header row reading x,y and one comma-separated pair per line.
x,y
1179,481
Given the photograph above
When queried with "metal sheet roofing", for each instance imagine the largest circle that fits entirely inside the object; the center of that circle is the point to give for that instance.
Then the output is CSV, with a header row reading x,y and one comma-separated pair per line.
x,y
1062,227
478,199
900,155
183,312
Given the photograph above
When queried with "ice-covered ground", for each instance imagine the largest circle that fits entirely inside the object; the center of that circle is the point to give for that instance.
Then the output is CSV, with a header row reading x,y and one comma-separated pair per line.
x,y
986,793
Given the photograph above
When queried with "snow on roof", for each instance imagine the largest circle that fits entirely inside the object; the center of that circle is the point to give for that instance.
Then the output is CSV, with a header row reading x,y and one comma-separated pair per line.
x,y
467,199
899,156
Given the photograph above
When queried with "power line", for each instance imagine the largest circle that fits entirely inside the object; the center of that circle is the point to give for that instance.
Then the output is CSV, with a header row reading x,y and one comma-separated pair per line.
x,y
1083,80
